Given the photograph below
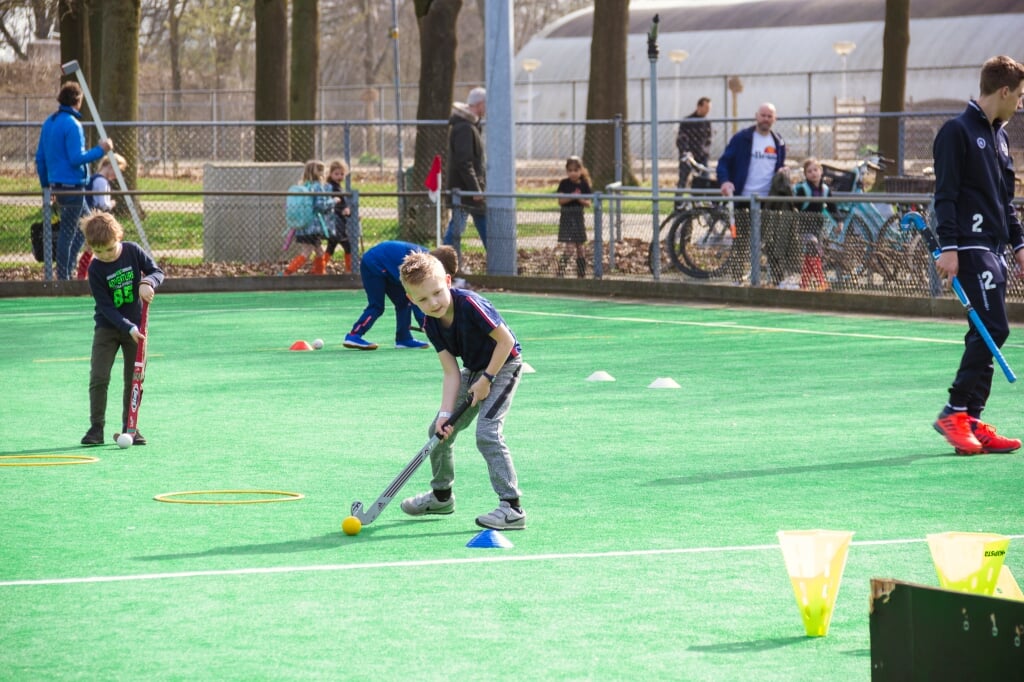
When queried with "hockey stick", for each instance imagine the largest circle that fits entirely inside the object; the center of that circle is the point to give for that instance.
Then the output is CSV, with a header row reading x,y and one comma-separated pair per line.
x,y
138,376
914,220
367,517
72,67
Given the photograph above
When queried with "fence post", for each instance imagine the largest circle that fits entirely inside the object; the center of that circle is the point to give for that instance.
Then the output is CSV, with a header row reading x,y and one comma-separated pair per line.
x,y
755,241
901,147
598,239
355,233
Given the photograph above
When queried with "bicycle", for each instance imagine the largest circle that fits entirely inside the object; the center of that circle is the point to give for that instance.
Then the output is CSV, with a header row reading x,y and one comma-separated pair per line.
x,y
851,234
700,234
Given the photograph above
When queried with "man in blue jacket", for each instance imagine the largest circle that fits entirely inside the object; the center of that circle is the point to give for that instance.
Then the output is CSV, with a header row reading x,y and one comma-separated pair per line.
x,y
63,165
751,159
976,222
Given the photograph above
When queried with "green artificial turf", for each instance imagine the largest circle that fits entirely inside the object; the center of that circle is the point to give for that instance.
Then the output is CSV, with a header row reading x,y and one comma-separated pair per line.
x,y
651,548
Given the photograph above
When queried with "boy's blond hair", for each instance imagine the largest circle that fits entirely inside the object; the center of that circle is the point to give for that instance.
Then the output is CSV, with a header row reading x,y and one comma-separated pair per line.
x,y
101,228
418,267
122,163
336,164
315,171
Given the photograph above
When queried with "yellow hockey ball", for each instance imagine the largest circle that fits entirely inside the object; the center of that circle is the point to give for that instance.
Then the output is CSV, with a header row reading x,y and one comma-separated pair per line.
x,y
351,525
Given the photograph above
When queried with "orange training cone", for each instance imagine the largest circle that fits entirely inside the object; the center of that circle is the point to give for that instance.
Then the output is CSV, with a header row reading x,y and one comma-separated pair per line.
x,y
301,345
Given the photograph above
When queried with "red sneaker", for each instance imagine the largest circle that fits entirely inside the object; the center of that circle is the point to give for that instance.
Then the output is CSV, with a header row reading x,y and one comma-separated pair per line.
x,y
955,427
992,441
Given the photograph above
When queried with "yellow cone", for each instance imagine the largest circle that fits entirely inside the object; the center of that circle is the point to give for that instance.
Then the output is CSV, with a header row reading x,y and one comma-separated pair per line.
x,y
815,560
968,562
1006,585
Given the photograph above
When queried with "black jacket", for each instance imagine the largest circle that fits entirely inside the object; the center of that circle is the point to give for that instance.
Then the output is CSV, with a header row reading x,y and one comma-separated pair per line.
x,y
466,165
974,184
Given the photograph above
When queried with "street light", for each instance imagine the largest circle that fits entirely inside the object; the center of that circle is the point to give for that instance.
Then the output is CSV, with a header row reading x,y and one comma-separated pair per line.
x,y
677,57
529,66
843,48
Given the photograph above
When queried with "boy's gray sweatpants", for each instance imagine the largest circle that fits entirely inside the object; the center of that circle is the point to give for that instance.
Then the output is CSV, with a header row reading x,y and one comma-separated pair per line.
x,y
490,421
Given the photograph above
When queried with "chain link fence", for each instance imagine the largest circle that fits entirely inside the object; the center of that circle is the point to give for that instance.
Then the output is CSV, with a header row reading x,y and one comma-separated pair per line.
x,y
211,200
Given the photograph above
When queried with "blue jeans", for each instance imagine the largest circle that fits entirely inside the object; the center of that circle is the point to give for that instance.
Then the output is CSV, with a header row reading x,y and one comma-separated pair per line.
x,y
69,242
457,225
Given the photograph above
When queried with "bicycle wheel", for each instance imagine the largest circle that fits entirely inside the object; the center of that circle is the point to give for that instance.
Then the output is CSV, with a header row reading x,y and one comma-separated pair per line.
x,y
700,242
847,254
902,260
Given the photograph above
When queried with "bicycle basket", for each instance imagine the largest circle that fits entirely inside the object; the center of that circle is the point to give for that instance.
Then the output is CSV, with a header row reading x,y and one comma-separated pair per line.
x,y
906,184
838,179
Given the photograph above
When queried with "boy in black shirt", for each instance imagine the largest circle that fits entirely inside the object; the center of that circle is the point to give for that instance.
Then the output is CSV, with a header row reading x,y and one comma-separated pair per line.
x,y
976,221
462,324
121,276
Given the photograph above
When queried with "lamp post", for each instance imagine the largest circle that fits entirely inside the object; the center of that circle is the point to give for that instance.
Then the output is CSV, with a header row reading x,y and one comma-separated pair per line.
x,y
529,66
677,57
843,48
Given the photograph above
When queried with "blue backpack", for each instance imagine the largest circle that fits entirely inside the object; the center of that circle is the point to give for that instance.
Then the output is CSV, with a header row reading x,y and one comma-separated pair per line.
x,y
303,210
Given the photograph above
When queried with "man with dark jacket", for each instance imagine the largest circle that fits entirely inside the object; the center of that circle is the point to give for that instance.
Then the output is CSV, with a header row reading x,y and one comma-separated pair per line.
x,y
62,163
466,168
694,137
747,166
976,222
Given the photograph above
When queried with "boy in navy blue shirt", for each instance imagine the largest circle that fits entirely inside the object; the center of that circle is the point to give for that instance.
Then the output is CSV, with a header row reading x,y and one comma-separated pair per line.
x,y
121,276
976,221
460,323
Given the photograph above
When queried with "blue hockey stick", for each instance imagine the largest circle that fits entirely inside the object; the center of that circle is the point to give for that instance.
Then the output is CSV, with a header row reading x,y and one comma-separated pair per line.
x,y
914,220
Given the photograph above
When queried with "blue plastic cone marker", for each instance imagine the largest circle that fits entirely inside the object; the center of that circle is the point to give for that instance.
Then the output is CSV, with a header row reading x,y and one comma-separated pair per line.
x,y
490,539
815,560
968,562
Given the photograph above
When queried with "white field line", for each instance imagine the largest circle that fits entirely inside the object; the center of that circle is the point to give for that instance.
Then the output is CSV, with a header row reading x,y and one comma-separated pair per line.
x,y
386,565
749,327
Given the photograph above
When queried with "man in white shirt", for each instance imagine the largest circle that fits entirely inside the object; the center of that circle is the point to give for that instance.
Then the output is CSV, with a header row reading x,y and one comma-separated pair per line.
x,y
747,167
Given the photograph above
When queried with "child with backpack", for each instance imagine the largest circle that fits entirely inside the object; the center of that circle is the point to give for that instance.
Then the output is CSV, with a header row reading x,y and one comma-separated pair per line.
x,y
100,181
305,212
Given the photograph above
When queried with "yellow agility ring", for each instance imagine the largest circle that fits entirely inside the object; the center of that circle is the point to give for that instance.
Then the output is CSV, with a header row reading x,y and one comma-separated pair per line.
x,y
281,496
65,459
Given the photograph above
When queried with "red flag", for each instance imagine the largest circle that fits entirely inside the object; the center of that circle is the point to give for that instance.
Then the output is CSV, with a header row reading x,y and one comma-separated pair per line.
x,y
433,181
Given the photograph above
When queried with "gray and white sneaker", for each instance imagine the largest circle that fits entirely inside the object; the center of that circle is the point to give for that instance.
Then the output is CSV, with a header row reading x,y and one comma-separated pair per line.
x,y
502,518
426,503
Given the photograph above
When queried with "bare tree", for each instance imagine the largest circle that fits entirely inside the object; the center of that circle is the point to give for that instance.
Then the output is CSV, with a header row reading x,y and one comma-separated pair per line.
x,y
119,88
271,99
74,33
606,94
438,43
895,44
305,72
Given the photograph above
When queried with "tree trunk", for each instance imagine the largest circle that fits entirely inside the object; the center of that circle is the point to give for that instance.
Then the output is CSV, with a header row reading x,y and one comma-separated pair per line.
x,y
271,78
74,34
606,95
119,82
436,20
895,44
305,70
369,97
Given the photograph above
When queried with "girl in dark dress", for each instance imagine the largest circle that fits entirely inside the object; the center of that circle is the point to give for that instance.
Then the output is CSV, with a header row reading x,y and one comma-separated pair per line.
x,y
572,230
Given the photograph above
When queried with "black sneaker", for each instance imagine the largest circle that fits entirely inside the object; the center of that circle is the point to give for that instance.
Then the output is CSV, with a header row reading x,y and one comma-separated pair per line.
x,y
139,439
94,436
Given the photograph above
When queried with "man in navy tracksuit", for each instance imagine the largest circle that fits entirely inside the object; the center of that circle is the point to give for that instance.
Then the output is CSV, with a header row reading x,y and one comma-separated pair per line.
x,y
751,159
976,221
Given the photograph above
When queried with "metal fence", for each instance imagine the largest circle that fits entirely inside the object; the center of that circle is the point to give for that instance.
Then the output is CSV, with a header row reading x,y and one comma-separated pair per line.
x,y
205,202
